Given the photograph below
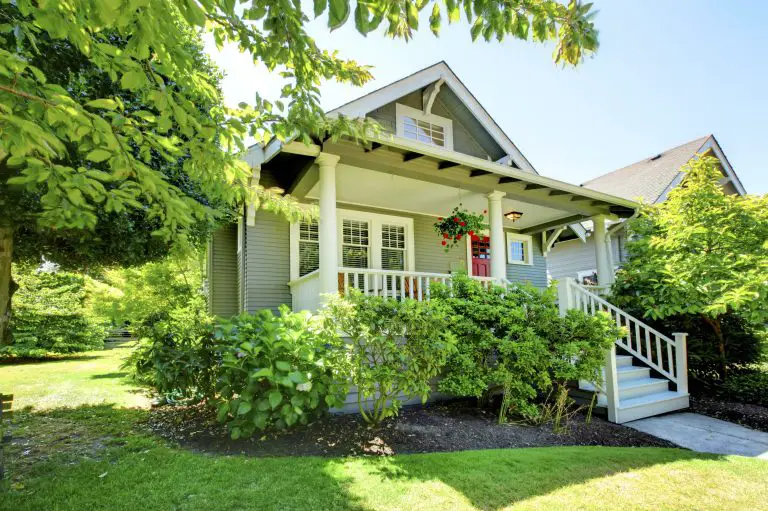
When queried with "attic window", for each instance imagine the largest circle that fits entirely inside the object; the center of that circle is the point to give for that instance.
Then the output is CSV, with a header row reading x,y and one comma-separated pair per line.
x,y
654,158
429,129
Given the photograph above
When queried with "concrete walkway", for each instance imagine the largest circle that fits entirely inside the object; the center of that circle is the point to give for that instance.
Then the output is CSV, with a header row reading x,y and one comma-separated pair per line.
x,y
705,434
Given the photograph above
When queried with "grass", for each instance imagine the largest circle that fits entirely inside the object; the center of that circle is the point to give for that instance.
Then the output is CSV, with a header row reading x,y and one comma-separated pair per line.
x,y
100,456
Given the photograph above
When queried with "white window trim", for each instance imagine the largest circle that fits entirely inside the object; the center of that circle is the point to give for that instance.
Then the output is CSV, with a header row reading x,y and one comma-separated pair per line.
x,y
375,221
402,111
527,246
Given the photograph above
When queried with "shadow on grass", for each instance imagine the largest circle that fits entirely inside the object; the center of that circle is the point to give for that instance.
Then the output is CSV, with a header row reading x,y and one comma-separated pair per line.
x,y
13,361
108,375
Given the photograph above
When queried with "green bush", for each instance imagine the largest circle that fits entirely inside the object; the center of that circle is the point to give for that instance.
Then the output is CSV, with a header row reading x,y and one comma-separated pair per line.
x,y
278,371
51,315
514,342
396,348
747,385
177,354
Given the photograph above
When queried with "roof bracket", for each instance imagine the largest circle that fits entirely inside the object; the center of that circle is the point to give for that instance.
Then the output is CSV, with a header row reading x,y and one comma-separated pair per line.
x,y
412,156
429,95
549,241
478,173
447,165
505,180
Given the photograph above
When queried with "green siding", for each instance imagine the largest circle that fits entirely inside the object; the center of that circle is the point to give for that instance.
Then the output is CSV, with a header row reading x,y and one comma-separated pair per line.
x,y
429,253
463,141
536,273
222,271
267,263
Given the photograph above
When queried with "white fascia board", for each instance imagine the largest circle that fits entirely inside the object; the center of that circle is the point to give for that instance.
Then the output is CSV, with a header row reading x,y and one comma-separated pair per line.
x,y
501,170
440,71
712,144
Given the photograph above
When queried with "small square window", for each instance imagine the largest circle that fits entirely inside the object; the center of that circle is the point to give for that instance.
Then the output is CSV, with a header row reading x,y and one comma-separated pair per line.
x,y
519,249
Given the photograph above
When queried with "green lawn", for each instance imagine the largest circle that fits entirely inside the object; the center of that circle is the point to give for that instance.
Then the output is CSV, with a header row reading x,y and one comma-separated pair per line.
x,y
101,457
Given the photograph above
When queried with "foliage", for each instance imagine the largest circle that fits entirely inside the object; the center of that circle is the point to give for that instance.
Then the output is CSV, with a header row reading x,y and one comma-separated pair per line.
x,y
702,253
514,341
396,348
53,314
458,224
177,354
134,295
278,371
746,385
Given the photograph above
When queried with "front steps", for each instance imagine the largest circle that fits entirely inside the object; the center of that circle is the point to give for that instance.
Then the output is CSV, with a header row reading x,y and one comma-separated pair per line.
x,y
640,394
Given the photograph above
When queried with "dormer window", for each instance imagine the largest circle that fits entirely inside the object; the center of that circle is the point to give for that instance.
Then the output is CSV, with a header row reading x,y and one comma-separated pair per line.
x,y
429,129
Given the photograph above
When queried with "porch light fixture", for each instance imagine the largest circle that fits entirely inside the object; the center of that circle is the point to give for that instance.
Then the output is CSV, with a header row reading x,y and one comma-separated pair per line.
x,y
513,215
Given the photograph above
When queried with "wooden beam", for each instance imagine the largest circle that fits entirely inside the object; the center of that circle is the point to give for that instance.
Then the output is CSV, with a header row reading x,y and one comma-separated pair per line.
x,y
534,186
374,146
554,224
505,180
550,240
412,156
478,173
558,192
447,165
576,198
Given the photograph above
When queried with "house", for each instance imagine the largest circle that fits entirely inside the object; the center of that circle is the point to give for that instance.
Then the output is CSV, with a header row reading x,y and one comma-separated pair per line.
x,y
378,204
650,180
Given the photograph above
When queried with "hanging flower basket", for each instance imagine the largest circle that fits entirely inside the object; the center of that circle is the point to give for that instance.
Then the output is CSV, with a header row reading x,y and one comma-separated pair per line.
x,y
460,223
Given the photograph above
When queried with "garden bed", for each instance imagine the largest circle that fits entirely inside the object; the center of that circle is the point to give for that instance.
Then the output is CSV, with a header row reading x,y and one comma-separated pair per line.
x,y
453,426
751,416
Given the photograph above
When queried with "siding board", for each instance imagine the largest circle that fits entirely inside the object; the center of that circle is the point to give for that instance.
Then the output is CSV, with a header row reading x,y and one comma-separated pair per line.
x,y
267,268
536,273
222,274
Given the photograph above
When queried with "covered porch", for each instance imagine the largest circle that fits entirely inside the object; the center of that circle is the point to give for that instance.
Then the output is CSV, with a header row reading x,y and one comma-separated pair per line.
x,y
377,204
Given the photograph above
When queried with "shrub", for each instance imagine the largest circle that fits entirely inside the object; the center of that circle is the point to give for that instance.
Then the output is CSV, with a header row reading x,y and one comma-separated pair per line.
x,y
278,371
177,354
51,315
396,347
513,341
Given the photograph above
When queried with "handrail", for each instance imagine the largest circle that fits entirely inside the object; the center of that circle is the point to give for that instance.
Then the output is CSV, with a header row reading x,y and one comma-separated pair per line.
x,y
304,278
638,337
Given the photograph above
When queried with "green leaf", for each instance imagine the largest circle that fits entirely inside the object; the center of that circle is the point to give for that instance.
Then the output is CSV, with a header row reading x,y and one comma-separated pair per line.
x,y
98,155
264,372
244,408
338,13
361,18
320,7
107,104
434,20
275,398
283,365
133,80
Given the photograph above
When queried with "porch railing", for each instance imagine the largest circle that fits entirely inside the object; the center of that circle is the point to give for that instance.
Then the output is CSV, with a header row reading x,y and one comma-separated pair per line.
x,y
656,350
396,284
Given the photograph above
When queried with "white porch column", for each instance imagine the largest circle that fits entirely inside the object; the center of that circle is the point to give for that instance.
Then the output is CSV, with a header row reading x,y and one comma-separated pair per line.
x,y
604,270
498,243
329,261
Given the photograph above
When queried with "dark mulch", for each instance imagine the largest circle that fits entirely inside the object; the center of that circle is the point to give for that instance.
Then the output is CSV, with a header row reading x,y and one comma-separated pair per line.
x,y
453,426
751,416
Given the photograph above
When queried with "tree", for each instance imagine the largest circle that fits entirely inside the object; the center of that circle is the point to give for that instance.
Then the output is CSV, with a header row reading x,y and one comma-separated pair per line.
x,y
700,252
140,44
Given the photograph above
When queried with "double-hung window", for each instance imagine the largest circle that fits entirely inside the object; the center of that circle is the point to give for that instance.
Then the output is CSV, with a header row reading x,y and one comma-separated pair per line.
x,y
519,249
309,247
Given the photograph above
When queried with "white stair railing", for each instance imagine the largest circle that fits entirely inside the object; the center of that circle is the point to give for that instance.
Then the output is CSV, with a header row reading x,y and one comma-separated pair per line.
x,y
656,350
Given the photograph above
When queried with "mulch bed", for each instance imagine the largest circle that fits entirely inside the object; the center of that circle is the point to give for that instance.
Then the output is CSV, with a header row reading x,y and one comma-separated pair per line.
x,y
440,427
751,416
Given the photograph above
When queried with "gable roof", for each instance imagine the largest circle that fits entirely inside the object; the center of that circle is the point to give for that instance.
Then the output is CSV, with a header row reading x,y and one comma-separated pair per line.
x,y
653,177
440,71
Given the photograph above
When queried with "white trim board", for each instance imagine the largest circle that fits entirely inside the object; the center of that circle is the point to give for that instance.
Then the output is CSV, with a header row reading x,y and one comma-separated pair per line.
x,y
441,71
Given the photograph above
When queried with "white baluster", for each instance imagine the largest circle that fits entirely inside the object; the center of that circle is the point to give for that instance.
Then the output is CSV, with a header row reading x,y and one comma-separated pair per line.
x,y
681,362
346,283
670,361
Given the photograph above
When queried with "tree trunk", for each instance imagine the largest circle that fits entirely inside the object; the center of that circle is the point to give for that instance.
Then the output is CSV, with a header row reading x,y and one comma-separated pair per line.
x,y
714,323
7,285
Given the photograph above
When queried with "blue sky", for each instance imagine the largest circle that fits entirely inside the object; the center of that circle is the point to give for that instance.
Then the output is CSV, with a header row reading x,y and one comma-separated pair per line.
x,y
667,72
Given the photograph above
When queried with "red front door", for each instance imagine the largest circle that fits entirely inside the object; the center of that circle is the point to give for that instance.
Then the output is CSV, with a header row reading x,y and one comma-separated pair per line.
x,y
481,256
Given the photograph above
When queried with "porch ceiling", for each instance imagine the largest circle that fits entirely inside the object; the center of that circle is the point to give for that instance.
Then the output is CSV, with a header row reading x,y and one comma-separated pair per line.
x,y
393,192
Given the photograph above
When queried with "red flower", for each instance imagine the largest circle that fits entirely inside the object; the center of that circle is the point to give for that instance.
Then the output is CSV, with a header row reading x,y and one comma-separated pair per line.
x,y
440,218
463,224
471,233
457,219
458,236
446,235
445,242
486,238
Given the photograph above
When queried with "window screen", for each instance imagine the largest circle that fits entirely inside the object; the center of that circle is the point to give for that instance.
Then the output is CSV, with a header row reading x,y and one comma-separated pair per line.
x,y
309,247
517,251
424,131
392,247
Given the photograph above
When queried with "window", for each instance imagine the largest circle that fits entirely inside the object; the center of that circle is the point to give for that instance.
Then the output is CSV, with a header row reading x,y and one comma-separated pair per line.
x,y
428,129
354,244
392,247
519,249
424,131
309,247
